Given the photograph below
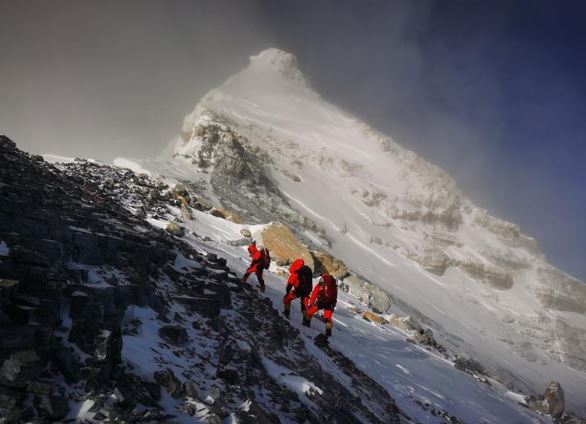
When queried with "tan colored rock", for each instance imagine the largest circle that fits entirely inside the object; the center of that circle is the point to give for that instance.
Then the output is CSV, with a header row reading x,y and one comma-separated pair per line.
x,y
433,260
227,214
405,323
554,398
552,402
284,246
324,262
175,229
372,317
491,276
245,233
180,190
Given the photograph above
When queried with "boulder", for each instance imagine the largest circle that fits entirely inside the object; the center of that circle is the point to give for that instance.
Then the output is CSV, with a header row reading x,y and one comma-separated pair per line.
x,y
552,402
20,368
405,323
170,382
190,390
284,246
214,395
465,363
135,390
376,299
108,350
424,337
175,229
181,190
174,334
227,214
413,328
49,399
372,317
324,262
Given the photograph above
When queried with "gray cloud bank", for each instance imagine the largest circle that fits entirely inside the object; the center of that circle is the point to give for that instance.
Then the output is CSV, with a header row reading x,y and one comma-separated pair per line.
x,y
115,78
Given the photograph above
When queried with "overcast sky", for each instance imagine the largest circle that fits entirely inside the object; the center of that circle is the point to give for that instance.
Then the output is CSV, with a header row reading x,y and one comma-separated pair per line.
x,y
493,92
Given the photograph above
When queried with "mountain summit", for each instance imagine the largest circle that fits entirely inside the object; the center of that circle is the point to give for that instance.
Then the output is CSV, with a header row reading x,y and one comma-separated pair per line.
x,y
280,61
270,147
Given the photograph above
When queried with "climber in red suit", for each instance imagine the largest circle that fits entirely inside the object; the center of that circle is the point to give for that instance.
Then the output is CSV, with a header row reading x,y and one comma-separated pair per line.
x,y
324,296
257,265
299,286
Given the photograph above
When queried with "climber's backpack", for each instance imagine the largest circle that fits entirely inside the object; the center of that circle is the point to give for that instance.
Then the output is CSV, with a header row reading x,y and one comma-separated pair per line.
x,y
330,291
304,275
266,259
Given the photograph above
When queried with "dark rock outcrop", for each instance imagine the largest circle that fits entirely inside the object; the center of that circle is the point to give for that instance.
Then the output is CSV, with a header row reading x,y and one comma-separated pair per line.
x,y
80,257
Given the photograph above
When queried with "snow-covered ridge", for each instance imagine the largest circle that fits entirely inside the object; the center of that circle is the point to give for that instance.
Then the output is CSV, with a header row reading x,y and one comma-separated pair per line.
x,y
393,217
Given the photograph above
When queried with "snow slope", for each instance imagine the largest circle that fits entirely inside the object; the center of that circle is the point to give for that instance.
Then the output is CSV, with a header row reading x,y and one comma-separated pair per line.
x,y
403,224
422,382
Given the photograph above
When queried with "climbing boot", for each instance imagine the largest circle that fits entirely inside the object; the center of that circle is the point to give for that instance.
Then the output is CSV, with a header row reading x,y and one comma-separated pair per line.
x,y
328,329
306,321
287,311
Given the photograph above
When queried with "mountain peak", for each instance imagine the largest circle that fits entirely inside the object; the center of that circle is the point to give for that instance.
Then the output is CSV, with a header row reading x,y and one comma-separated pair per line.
x,y
281,61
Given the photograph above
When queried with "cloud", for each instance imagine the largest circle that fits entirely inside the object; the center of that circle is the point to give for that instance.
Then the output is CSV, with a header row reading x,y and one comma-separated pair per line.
x,y
490,92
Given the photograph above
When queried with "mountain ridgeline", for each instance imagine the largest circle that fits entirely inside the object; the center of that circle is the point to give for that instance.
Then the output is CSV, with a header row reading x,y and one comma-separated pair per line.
x,y
121,298
273,149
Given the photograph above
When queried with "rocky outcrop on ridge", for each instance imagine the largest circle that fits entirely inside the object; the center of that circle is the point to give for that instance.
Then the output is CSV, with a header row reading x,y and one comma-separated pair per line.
x,y
106,318
284,246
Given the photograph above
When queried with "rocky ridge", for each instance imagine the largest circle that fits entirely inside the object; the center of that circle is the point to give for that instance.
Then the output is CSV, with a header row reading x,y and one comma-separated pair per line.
x,y
106,318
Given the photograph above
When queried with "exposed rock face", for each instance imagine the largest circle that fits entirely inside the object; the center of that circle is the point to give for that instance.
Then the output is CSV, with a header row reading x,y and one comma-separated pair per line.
x,y
234,170
498,279
373,296
552,402
174,334
80,262
465,363
425,337
433,260
324,262
554,398
563,293
284,246
228,214
416,332
20,368
236,174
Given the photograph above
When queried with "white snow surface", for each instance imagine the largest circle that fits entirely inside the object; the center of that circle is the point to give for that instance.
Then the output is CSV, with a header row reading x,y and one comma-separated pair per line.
x,y
133,166
374,199
411,374
56,158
